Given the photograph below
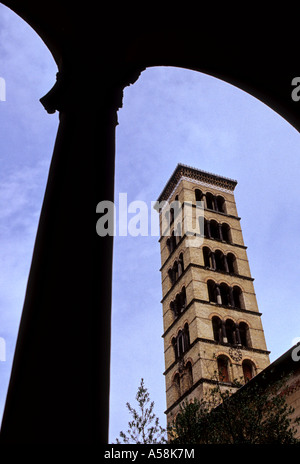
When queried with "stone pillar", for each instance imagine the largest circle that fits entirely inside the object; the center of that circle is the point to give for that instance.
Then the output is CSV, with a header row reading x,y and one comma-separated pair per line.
x,y
226,267
215,204
224,334
208,229
230,296
213,261
59,386
220,232
218,295
238,335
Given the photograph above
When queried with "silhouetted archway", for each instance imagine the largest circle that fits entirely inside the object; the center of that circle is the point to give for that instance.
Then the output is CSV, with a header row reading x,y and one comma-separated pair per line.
x,y
42,386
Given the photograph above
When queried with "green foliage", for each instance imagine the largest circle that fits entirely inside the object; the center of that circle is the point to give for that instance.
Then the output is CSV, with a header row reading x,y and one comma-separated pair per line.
x,y
249,416
144,427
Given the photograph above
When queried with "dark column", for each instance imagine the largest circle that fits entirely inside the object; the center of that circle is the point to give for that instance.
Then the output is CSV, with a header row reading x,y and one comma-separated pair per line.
x,y
224,334
215,204
230,295
208,229
238,335
213,261
59,387
220,232
218,294
225,261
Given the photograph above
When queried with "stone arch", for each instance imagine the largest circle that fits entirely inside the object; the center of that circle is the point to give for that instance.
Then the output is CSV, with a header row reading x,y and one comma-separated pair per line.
x,y
224,368
232,263
245,334
249,369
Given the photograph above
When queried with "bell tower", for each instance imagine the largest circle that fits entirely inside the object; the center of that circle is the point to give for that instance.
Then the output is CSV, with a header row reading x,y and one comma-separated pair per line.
x,y
212,326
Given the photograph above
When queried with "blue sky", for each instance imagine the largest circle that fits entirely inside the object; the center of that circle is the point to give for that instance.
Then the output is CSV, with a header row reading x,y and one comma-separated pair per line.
x,y
169,116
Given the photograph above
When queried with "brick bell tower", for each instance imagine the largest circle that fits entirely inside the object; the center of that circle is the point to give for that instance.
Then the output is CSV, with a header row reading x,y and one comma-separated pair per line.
x,y
212,325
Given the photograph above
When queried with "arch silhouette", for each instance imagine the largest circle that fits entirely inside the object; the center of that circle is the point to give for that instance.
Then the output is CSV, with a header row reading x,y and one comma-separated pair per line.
x,y
76,290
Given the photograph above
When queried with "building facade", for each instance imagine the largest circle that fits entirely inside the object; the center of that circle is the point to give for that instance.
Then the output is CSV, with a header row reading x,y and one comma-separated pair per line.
x,y
212,326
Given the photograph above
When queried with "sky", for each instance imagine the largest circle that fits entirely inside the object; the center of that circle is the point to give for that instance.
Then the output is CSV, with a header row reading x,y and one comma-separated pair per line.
x,y
169,116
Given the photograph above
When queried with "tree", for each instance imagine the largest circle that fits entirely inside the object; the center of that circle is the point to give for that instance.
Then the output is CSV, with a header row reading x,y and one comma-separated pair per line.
x,y
144,428
253,415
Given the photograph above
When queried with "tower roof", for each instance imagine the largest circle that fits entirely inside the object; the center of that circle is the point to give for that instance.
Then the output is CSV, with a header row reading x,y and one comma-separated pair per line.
x,y
182,170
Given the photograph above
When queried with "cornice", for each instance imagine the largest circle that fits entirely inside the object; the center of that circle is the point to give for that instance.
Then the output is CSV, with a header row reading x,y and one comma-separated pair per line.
x,y
207,179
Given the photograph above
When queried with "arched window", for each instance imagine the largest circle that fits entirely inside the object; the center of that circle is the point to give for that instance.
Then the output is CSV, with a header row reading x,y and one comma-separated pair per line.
x,y
230,332
174,344
173,240
217,329
171,276
206,232
183,298
198,195
220,204
223,368
225,299
175,271
232,264
210,204
179,304
189,375
248,370
238,297
214,230
176,384
173,308
186,333
226,234
244,334
180,265
219,260
206,257
181,343
211,287
171,243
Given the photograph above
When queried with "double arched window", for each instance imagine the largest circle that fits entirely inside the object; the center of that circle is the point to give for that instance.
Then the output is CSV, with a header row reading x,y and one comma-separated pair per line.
x,y
217,231
225,295
224,373
181,342
228,331
213,202
172,242
176,270
219,261
183,380
179,303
